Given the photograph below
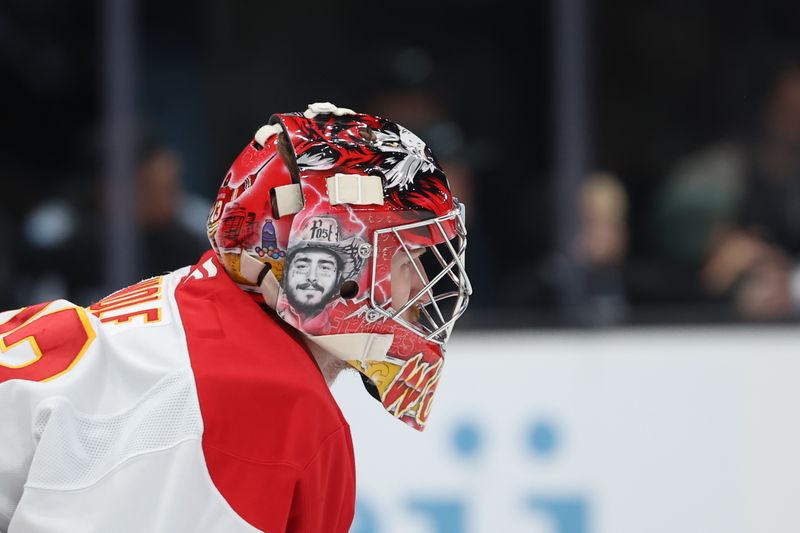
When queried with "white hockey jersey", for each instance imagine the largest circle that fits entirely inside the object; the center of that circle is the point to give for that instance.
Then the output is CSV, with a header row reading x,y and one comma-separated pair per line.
x,y
175,405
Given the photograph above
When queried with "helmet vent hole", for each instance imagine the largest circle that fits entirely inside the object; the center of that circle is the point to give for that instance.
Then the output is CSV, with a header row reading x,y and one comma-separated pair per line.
x,y
349,289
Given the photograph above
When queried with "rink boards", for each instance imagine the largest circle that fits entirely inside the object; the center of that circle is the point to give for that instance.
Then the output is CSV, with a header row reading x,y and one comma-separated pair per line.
x,y
625,431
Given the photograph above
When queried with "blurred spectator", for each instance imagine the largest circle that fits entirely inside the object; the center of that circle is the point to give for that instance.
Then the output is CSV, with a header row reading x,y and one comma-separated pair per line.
x,y
603,245
731,211
63,236
699,199
167,241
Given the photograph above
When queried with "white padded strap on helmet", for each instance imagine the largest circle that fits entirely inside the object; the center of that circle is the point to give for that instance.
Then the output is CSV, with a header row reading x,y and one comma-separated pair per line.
x,y
355,189
269,288
360,347
252,270
287,199
318,108
265,132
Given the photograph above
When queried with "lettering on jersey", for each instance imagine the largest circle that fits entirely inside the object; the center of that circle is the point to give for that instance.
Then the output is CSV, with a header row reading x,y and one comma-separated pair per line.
x,y
24,315
38,343
209,270
140,300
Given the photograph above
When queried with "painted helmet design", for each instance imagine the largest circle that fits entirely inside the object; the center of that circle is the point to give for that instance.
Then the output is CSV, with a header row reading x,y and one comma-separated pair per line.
x,y
338,203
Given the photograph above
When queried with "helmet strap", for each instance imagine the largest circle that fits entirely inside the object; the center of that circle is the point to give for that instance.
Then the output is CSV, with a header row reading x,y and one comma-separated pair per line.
x,y
260,275
350,347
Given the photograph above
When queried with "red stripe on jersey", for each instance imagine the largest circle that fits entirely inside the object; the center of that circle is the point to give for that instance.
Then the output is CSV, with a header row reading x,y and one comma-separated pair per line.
x,y
276,444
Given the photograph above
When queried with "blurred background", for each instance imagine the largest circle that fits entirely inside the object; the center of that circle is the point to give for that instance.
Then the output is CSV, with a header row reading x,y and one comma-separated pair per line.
x,y
623,162
632,176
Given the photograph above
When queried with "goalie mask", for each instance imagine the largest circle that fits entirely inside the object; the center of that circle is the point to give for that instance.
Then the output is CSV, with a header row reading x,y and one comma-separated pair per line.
x,y
353,220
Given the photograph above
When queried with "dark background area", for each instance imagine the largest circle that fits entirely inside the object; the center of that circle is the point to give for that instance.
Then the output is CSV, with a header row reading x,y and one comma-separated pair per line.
x,y
664,80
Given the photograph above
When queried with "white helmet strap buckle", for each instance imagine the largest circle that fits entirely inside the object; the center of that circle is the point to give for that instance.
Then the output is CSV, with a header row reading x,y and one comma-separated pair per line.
x,y
355,189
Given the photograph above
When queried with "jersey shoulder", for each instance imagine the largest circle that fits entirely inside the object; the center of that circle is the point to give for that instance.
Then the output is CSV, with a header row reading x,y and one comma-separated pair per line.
x,y
261,395
127,342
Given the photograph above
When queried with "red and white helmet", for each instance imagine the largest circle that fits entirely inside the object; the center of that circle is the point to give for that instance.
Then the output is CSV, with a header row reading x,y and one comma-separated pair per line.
x,y
336,203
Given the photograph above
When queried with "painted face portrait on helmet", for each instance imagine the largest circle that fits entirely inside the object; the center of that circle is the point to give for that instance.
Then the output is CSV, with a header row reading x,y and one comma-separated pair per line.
x,y
312,279
319,261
